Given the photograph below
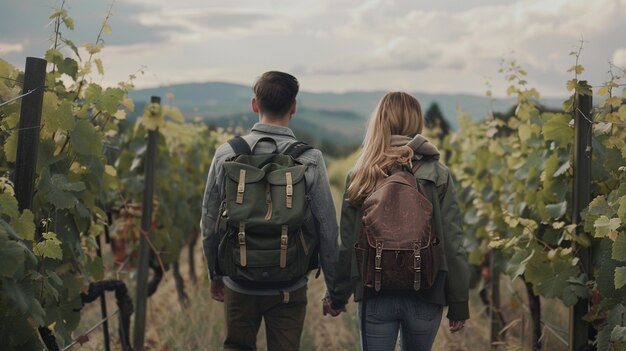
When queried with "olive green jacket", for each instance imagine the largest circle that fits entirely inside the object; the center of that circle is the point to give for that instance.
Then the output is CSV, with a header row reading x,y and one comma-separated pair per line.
x,y
451,286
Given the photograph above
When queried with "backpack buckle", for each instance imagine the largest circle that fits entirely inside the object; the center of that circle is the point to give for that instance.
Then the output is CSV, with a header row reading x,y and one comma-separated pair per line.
x,y
289,190
379,256
242,245
241,186
378,265
417,266
283,246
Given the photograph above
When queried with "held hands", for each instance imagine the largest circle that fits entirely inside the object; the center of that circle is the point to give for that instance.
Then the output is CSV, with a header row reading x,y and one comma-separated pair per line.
x,y
327,309
455,326
217,290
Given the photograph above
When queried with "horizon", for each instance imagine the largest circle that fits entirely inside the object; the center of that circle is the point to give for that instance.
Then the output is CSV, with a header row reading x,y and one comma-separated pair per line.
x,y
364,91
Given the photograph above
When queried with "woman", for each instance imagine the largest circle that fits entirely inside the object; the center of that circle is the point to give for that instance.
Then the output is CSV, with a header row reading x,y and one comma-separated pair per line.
x,y
393,139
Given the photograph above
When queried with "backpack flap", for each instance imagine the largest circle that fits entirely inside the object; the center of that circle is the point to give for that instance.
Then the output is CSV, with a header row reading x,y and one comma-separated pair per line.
x,y
396,242
387,219
288,194
243,186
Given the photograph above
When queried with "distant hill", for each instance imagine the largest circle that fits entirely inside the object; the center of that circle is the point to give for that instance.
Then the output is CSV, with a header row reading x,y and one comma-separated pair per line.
x,y
338,118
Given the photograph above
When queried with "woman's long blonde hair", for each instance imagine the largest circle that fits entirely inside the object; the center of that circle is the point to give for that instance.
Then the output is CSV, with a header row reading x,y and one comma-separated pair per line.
x,y
397,113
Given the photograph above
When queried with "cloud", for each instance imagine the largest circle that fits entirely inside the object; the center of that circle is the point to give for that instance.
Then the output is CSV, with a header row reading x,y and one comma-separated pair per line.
x,y
619,58
339,44
394,34
7,48
197,25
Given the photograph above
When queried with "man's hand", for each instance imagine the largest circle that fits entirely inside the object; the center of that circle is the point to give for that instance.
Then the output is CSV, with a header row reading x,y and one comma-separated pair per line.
x,y
327,309
455,326
217,290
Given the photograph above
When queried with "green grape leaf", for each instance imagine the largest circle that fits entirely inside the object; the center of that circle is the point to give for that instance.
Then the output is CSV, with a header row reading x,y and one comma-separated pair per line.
x,y
25,225
613,319
50,247
10,147
564,168
599,206
605,226
517,263
11,257
621,211
556,127
109,100
93,93
61,13
536,271
54,277
69,67
174,113
93,49
54,56
46,156
556,282
571,84
568,104
524,132
22,296
576,288
622,112
95,268
85,139
620,277
72,46
99,66
64,117
578,69
58,190
59,117
8,206
557,210
618,252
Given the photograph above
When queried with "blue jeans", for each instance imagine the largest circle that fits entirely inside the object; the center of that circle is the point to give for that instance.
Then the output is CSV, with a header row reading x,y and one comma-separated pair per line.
x,y
386,315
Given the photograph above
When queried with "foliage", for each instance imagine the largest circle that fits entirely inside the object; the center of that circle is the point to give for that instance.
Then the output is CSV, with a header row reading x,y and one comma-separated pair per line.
x,y
515,181
55,238
184,153
88,159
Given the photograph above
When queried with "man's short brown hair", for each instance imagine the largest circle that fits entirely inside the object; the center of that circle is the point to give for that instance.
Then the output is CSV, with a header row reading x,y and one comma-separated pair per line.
x,y
275,92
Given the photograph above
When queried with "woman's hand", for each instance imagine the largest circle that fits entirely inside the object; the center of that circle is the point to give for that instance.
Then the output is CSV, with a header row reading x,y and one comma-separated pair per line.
x,y
217,290
455,326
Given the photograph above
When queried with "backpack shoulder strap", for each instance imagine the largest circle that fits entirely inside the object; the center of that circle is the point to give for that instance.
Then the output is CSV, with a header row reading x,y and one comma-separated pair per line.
x,y
240,146
416,165
297,148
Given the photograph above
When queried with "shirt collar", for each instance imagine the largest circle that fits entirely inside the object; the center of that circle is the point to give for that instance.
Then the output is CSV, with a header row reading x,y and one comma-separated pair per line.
x,y
272,129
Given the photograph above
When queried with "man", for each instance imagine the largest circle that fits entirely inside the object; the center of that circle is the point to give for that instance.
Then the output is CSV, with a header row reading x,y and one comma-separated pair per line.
x,y
282,307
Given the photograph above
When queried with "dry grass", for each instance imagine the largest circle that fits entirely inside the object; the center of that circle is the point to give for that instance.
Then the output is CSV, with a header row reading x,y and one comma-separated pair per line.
x,y
201,325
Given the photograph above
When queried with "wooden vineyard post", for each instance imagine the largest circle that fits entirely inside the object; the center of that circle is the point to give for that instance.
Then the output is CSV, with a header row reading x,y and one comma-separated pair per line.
x,y
28,131
144,250
494,309
580,331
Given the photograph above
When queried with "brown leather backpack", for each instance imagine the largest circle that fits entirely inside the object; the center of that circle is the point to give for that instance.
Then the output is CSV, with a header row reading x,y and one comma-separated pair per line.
x,y
396,249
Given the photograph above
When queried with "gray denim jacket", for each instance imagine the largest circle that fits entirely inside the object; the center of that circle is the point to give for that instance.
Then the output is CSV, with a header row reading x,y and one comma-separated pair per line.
x,y
318,188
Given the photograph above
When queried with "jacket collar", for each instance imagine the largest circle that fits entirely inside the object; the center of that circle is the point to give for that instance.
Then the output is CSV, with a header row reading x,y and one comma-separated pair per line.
x,y
272,129
422,149
420,145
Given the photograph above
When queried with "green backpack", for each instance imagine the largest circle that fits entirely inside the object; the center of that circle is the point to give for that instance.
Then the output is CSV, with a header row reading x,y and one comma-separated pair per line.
x,y
265,224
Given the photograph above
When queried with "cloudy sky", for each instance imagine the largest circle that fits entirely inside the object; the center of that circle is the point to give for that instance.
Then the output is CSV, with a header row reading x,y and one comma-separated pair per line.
x,y
335,45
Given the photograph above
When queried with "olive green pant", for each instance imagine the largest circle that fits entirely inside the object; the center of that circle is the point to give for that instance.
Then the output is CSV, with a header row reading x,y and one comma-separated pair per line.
x,y
283,320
